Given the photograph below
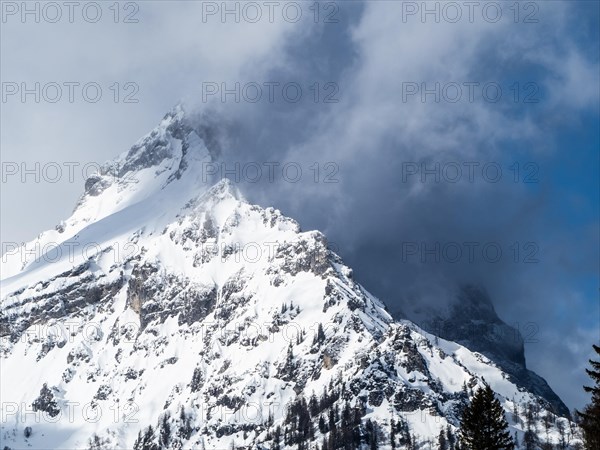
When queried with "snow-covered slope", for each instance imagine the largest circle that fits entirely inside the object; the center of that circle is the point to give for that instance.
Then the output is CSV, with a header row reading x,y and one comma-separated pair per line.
x,y
179,306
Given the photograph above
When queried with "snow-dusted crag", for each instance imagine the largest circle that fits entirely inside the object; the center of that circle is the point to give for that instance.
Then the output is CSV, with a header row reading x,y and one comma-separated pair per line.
x,y
169,313
471,320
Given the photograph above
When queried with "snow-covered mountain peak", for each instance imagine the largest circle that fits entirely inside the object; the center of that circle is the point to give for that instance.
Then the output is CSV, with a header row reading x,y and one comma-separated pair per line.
x,y
175,148
182,316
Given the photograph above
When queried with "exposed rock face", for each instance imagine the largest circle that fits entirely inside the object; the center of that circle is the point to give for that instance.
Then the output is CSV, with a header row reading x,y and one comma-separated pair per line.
x,y
46,402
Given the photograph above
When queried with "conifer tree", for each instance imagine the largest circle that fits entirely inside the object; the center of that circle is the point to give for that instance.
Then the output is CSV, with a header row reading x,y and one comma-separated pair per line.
x,y
590,416
371,435
277,438
320,333
515,412
164,436
450,438
530,441
483,426
442,444
146,441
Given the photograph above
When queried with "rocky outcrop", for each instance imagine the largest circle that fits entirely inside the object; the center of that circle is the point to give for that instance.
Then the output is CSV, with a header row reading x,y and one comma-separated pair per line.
x,y
473,322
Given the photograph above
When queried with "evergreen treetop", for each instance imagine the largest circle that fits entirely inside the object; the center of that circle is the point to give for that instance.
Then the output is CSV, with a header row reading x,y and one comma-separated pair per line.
x,y
483,426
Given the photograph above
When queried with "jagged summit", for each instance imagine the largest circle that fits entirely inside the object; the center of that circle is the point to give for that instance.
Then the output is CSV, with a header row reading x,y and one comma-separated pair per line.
x,y
175,146
155,178
179,315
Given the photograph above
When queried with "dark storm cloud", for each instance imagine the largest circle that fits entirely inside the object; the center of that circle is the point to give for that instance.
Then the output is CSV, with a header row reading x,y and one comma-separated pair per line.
x,y
414,240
